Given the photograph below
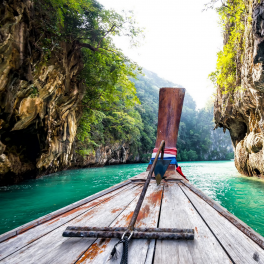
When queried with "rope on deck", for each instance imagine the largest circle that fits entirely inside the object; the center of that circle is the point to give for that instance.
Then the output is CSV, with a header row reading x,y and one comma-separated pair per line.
x,y
124,259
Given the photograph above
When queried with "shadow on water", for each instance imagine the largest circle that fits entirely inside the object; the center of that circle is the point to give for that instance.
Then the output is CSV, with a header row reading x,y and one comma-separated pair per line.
x,y
24,202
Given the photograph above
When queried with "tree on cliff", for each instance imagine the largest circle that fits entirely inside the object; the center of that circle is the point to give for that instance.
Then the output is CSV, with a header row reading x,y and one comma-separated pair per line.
x,y
232,14
62,76
60,69
106,71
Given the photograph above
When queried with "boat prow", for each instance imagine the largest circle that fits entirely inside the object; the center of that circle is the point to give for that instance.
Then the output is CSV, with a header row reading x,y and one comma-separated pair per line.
x,y
219,237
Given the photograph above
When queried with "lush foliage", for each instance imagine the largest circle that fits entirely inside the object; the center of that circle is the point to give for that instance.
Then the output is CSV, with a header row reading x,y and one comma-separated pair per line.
x,y
86,21
197,138
108,105
140,131
232,16
109,100
119,104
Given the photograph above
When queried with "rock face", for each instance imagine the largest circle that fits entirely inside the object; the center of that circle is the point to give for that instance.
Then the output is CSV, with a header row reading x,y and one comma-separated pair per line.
x,y
106,155
243,111
40,99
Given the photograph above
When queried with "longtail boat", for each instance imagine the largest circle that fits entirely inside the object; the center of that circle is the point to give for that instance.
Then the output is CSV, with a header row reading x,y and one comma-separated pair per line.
x,y
158,216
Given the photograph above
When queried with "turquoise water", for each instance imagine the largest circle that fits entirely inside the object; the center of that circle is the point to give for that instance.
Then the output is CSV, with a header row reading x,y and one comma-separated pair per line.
x,y
19,204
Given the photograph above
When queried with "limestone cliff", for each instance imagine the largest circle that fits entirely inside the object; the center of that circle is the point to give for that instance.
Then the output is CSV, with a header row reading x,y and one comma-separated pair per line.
x,y
242,112
40,97
116,153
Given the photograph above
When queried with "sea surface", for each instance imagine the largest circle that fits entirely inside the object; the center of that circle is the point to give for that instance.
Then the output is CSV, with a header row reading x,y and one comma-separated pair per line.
x,y
19,204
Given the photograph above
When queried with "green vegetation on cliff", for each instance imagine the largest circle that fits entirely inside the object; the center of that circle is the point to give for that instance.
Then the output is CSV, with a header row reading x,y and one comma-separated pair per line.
x,y
232,15
118,103
109,97
197,139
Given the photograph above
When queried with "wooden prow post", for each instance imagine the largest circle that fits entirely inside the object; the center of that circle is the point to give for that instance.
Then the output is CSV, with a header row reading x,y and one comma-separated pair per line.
x,y
170,109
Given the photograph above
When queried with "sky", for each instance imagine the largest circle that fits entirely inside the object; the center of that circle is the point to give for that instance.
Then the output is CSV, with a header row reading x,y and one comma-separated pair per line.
x,y
181,41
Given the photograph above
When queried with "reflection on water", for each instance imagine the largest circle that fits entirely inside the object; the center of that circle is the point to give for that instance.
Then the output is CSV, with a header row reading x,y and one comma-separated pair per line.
x,y
19,204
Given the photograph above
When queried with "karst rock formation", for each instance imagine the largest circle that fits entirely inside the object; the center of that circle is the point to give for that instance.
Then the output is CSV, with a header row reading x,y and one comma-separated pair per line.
x,y
40,100
242,112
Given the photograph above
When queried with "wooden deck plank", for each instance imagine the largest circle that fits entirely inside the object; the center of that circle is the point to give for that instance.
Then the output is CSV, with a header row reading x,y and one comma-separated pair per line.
x,y
178,212
21,240
141,176
256,237
239,246
173,175
53,248
169,175
58,212
151,251
140,250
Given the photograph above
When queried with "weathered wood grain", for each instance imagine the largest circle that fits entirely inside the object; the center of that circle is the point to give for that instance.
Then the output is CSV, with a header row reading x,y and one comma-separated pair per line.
x,y
21,240
151,250
140,250
169,175
240,247
53,248
178,212
173,175
233,219
58,212
141,176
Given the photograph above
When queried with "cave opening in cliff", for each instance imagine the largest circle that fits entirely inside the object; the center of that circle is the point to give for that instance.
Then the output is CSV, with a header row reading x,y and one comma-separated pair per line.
x,y
257,172
238,130
24,144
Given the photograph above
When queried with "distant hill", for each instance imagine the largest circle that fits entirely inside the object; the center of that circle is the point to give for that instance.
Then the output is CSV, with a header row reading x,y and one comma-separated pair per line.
x,y
132,130
197,138
153,79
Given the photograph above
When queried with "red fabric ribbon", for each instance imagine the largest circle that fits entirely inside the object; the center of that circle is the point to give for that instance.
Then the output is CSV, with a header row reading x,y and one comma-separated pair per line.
x,y
172,151
180,172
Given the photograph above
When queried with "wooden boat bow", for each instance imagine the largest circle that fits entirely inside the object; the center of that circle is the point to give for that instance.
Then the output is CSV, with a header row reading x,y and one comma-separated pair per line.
x,y
219,236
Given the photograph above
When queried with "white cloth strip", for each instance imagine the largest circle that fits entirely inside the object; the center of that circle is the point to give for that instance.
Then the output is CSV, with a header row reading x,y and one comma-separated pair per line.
x,y
165,155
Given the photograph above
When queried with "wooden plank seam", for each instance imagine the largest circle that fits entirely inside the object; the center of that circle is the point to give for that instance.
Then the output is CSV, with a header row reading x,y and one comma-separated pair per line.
x,y
207,225
178,211
59,212
109,226
248,231
84,212
152,247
